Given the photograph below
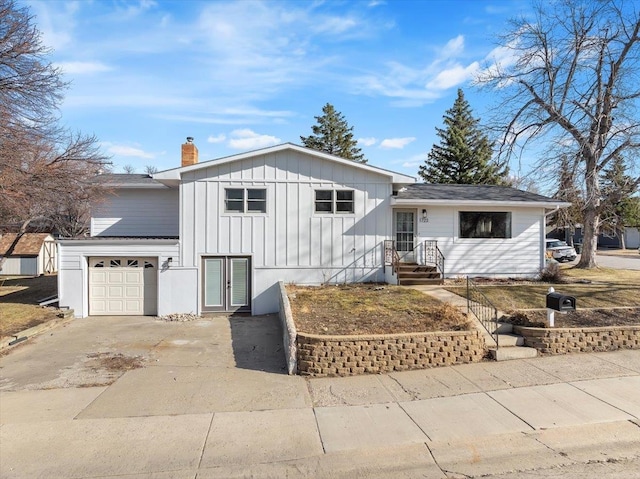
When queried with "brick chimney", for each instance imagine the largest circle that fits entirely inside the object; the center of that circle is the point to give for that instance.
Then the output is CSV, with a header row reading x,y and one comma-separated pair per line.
x,y
189,152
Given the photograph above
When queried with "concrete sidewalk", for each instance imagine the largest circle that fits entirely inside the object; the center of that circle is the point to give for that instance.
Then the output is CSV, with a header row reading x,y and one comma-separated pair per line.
x,y
212,401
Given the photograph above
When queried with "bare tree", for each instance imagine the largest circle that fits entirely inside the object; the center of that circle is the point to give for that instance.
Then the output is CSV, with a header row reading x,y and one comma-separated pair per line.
x,y
129,169
572,75
150,170
44,169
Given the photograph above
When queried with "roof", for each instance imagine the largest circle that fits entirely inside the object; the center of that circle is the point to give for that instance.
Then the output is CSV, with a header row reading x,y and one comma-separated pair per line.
x,y
174,174
128,180
28,245
425,193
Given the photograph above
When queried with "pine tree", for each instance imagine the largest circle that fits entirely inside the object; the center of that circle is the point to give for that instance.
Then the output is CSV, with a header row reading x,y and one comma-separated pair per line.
x,y
464,153
618,207
332,134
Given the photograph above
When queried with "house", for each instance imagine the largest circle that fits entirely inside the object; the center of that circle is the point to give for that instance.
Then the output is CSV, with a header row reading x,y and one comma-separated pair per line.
x,y
217,236
28,254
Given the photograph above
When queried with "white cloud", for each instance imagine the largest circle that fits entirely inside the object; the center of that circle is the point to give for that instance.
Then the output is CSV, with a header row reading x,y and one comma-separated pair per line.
x,y
411,86
367,141
454,47
454,76
396,143
216,139
246,139
125,150
83,68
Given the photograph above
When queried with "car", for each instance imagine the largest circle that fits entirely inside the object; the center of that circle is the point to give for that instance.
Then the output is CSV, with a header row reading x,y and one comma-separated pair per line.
x,y
560,250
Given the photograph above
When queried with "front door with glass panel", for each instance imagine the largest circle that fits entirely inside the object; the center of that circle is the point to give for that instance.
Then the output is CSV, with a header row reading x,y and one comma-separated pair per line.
x,y
225,282
404,225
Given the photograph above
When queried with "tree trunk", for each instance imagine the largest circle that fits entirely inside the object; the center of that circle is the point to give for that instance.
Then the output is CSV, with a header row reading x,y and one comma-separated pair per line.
x,y
591,213
621,239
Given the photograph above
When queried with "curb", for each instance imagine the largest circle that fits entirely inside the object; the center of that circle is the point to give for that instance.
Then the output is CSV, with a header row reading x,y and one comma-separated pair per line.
x,y
33,331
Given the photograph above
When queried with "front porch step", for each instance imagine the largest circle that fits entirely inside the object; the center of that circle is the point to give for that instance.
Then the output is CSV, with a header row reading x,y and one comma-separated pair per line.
x,y
418,281
513,352
412,274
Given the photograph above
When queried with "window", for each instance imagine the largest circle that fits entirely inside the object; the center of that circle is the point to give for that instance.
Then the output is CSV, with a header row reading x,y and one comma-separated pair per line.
x,y
330,201
241,200
483,224
324,201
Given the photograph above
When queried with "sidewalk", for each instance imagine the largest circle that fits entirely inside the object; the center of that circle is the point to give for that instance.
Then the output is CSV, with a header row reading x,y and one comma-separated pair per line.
x,y
194,411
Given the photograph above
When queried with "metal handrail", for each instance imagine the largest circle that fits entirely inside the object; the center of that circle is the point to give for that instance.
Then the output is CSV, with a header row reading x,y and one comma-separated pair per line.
x,y
483,309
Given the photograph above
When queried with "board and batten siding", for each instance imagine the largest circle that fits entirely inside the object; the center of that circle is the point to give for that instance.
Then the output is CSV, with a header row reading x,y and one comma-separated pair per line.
x,y
520,255
290,242
137,212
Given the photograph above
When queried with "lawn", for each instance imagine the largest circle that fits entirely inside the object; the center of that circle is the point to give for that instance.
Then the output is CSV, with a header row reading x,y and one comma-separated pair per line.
x,y
19,308
606,288
600,288
370,309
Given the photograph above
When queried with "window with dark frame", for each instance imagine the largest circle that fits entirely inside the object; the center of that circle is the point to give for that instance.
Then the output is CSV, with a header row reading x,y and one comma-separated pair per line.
x,y
334,201
245,200
485,224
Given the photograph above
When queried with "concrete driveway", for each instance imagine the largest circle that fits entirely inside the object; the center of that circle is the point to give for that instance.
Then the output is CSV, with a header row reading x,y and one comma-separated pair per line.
x,y
211,400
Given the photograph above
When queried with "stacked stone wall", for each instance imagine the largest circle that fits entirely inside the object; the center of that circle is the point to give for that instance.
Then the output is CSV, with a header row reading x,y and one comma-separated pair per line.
x,y
350,355
576,340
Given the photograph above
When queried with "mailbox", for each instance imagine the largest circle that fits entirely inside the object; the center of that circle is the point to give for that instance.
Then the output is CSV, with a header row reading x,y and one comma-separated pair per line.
x,y
561,302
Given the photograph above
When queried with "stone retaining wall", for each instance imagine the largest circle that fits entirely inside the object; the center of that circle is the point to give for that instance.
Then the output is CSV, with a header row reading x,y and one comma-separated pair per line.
x,y
575,340
350,355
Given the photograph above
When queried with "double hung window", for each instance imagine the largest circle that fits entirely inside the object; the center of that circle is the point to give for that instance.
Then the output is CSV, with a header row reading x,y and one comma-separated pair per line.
x,y
245,200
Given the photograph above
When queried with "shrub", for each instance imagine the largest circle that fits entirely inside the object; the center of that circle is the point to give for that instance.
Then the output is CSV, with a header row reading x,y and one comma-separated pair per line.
x,y
552,273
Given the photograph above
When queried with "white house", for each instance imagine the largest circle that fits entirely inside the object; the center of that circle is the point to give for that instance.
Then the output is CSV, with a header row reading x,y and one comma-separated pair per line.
x,y
219,235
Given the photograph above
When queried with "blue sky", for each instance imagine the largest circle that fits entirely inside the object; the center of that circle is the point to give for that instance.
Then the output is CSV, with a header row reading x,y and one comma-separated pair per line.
x,y
244,75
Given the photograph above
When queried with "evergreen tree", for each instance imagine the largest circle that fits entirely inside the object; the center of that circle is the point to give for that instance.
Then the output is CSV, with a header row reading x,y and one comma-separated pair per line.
x,y
464,153
619,206
332,134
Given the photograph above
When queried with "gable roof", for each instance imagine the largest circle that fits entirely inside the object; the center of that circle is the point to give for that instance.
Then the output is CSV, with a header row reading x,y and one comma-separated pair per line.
x,y
28,245
175,173
480,195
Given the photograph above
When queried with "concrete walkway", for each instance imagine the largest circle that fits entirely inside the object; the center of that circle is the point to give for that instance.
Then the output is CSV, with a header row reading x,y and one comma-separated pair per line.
x,y
212,401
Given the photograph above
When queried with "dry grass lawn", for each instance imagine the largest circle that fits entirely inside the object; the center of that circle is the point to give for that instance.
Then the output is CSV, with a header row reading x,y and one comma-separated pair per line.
x,y
602,288
19,308
370,309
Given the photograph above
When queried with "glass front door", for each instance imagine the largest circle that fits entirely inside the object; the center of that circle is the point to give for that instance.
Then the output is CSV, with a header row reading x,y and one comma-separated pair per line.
x,y
404,225
225,283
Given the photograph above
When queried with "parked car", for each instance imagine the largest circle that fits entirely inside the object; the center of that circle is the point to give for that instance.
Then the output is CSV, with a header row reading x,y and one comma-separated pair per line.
x,y
560,250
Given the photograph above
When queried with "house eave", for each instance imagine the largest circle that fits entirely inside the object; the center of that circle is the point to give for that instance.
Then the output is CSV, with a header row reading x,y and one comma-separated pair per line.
x,y
479,203
117,241
174,175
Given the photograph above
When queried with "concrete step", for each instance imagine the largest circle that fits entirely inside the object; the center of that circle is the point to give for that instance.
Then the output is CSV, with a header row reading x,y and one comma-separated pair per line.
x,y
503,328
514,352
417,269
510,340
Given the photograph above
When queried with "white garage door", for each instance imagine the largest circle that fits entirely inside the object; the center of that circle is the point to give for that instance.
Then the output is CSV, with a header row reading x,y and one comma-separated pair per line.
x,y
123,285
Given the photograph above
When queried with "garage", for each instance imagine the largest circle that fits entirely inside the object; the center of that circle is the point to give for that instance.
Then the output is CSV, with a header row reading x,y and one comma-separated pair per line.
x,y
123,286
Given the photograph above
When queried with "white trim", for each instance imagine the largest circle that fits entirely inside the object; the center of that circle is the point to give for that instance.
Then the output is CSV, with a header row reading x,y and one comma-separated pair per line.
x,y
499,203
169,176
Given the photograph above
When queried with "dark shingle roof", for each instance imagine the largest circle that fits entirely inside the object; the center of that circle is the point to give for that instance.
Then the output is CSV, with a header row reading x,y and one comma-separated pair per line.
x,y
425,191
126,179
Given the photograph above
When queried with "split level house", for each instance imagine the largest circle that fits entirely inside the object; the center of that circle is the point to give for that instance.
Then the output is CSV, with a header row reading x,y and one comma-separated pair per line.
x,y
218,236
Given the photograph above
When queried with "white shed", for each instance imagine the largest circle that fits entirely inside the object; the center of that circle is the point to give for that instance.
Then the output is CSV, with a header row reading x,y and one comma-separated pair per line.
x,y
28,254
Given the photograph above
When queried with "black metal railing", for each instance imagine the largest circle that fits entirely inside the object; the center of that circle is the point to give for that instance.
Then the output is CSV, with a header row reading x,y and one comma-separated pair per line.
x,y
483,309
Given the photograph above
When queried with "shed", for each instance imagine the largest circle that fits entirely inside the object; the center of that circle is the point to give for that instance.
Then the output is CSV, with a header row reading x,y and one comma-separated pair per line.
x,y
29,254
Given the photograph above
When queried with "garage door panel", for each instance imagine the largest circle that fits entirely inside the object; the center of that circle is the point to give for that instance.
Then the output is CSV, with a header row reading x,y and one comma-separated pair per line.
x,y
123,285
133,292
